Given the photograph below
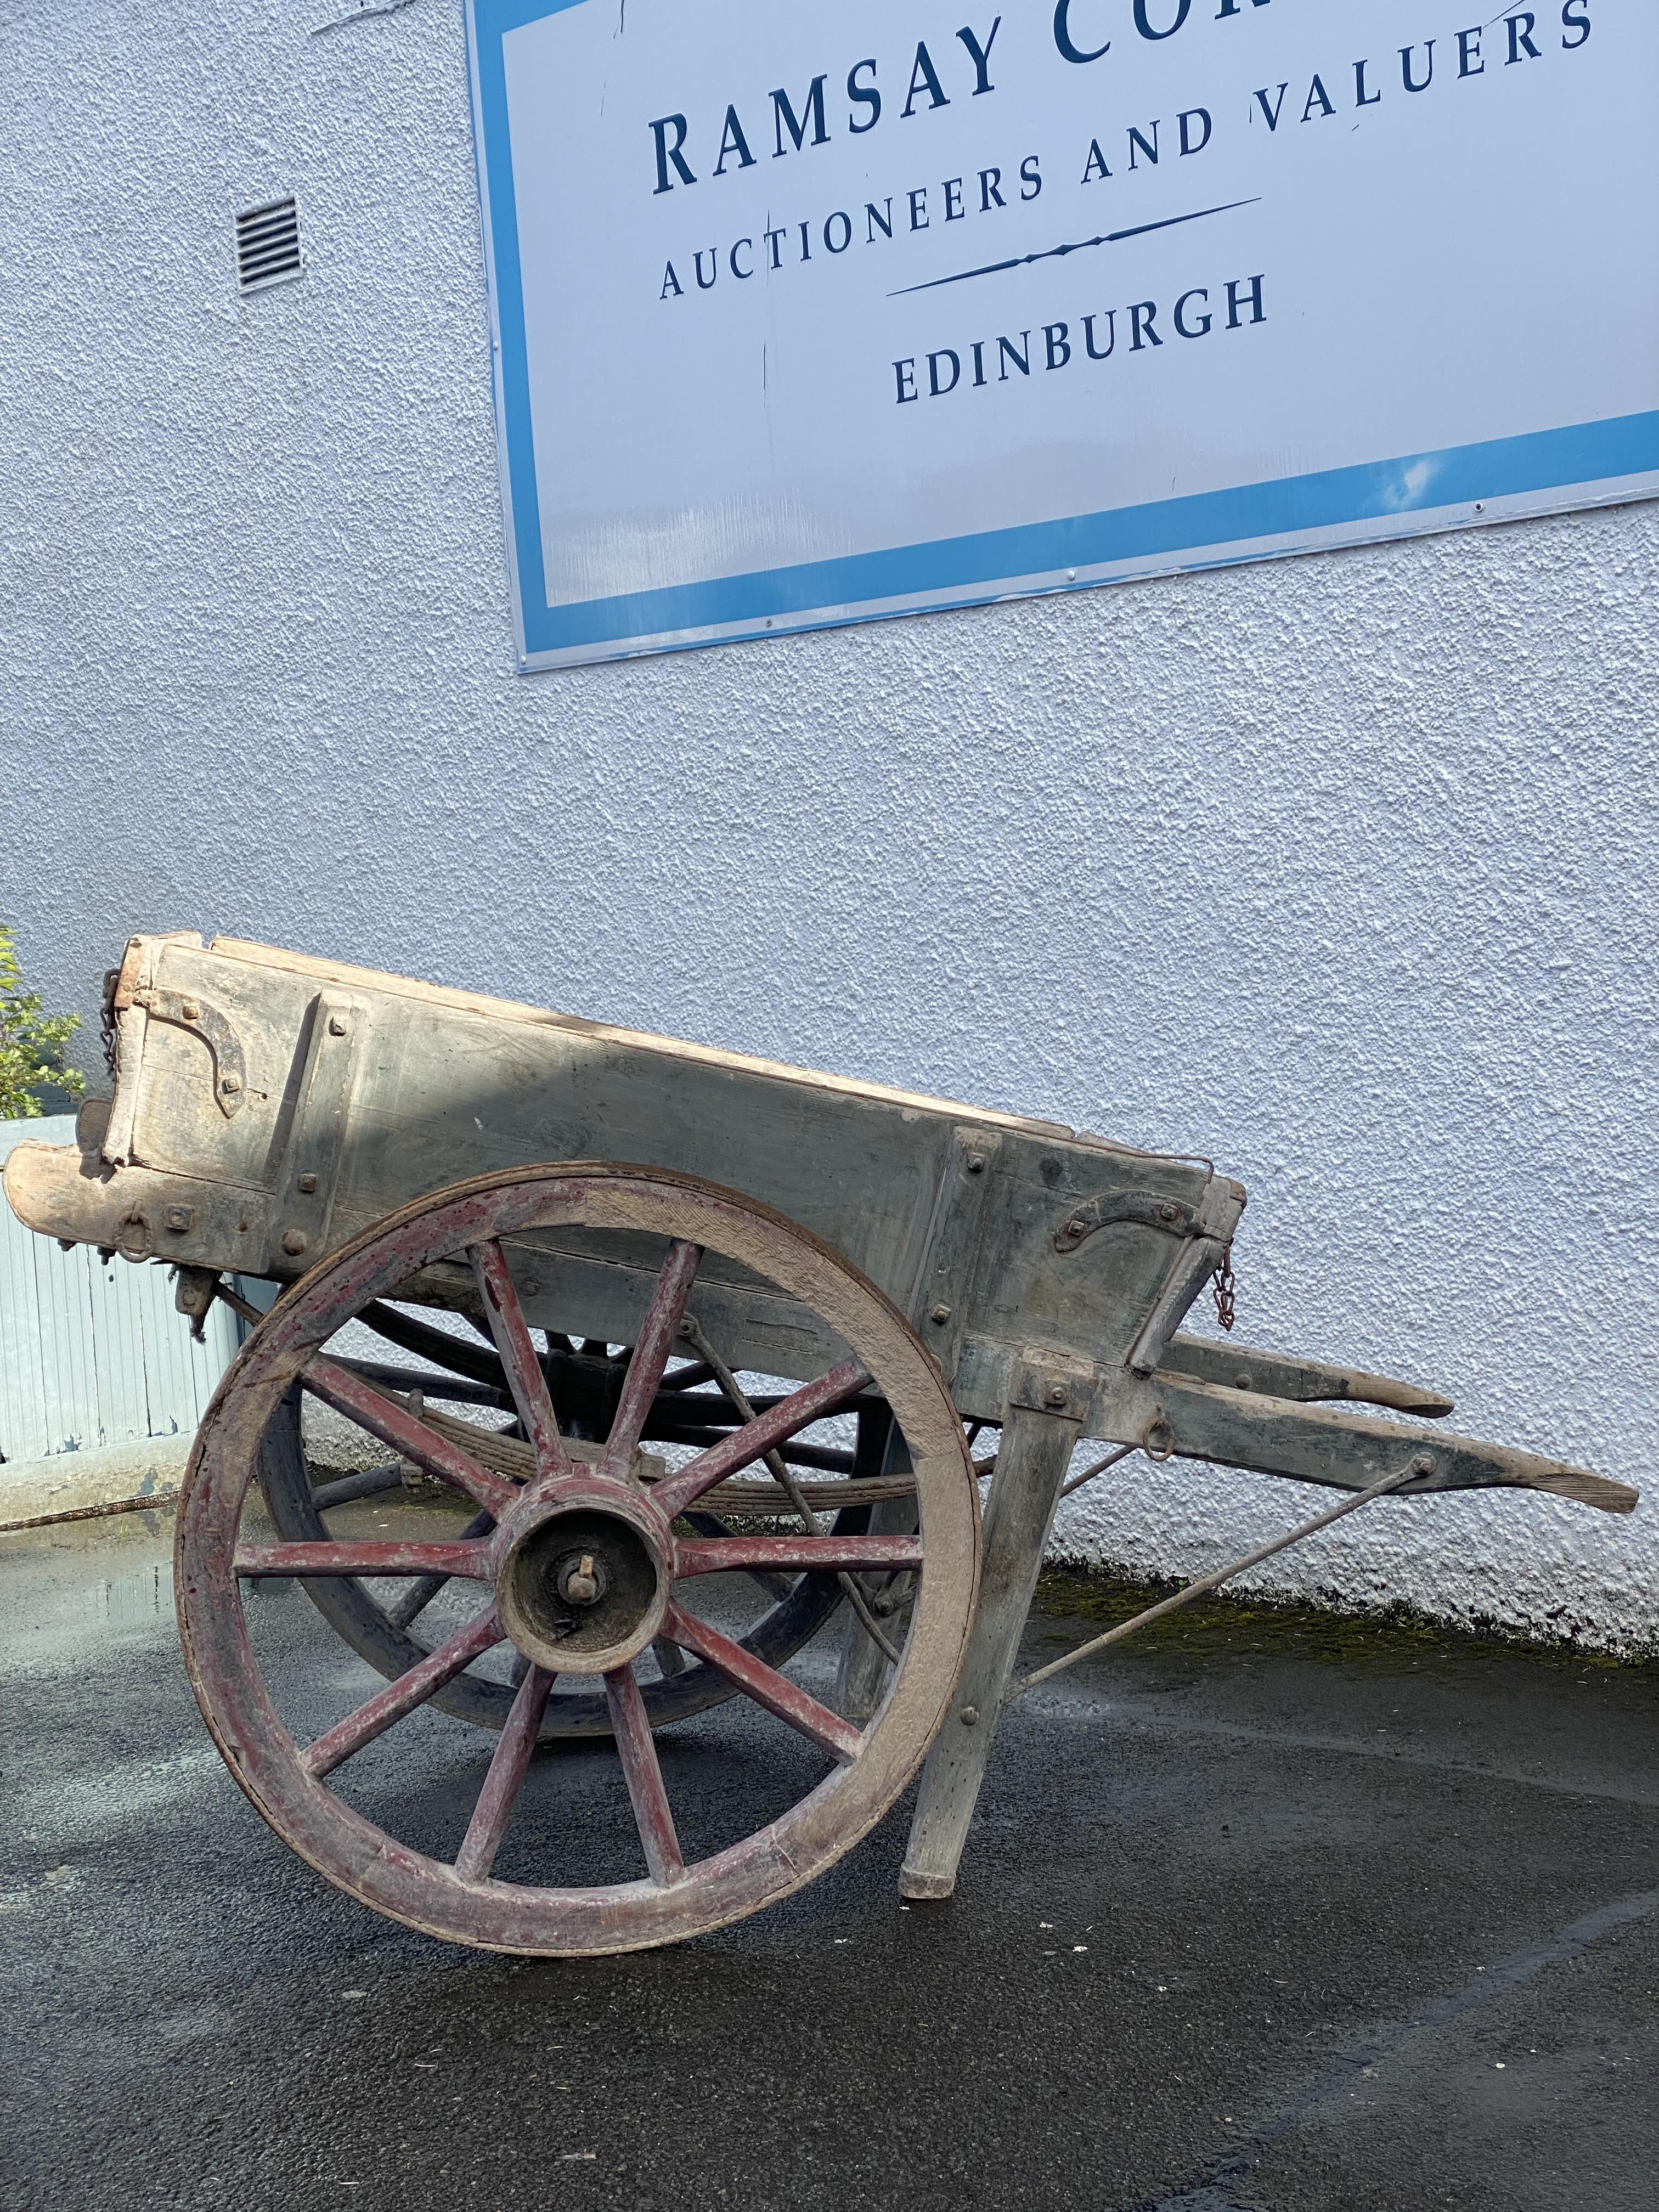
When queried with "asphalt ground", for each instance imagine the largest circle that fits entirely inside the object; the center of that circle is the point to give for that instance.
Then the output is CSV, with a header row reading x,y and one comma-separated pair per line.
x,y
1276,1915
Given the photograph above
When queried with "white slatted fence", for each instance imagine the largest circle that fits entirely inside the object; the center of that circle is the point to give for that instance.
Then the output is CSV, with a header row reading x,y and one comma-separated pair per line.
x,y
93,1353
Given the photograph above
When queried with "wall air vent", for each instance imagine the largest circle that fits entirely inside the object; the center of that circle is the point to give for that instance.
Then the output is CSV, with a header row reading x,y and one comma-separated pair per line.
x,y
268,245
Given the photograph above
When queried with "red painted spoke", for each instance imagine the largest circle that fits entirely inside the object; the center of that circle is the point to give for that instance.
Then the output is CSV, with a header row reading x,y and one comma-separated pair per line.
x,y
644,1776
524,1369
500,1793
753,1441
716,1555
395,1425
369,1557
402,1696
415,1599
764,1685
657,1332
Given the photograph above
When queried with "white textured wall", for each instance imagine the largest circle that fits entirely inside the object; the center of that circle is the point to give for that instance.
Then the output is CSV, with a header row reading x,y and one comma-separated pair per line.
x,y
1342,869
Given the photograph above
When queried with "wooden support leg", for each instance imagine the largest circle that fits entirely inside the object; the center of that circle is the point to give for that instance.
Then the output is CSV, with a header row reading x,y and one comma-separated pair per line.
x,y
1032,1459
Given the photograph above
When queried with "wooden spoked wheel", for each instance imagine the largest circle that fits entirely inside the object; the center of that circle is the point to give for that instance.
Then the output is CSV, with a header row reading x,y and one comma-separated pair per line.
x,y
582,1571
388,1625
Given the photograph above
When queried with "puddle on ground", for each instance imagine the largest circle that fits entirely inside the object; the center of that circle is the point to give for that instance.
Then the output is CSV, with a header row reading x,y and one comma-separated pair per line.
x,y
108,1576
139,1596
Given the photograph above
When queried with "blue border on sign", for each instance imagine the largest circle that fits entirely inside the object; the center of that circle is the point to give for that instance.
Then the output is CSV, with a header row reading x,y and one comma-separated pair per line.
x,y
979,566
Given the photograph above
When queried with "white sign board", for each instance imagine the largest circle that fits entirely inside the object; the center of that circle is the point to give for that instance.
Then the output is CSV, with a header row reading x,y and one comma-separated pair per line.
x,y
804,315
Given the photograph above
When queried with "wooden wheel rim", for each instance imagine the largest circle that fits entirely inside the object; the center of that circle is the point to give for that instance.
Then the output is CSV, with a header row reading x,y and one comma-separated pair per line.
x,y
425,1892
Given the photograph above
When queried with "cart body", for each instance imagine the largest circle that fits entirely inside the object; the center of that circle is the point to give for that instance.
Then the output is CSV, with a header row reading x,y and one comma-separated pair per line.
x,y
269,1106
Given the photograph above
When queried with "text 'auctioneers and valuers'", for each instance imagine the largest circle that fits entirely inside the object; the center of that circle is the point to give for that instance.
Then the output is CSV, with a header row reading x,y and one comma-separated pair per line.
x,y
683,150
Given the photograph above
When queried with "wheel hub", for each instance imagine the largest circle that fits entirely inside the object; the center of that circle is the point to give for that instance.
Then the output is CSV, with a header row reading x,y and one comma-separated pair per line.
x,y
582,1585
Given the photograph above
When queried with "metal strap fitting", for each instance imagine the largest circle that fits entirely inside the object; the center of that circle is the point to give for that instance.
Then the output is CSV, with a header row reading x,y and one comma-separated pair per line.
x,y
209,1022
1142,1207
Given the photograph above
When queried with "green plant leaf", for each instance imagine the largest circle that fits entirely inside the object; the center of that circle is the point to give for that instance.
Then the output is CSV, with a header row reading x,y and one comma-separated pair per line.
x,y
31,1042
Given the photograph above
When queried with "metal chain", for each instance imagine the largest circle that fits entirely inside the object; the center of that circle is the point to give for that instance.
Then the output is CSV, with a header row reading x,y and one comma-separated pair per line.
x,y
107,1028
1224,1288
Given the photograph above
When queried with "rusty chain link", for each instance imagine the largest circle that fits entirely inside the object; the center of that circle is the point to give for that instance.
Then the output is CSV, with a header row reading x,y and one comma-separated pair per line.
x,y
1223,1289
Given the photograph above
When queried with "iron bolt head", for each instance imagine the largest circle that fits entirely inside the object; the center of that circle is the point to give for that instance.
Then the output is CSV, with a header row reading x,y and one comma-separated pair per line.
x,y
230,1085
295,1241
1424,1463
582,1582
969,1715
335,1025
307,1183
191,1010
1057,1394
940,1315
1077,1226
179,1218
975,1162
1241,1380
1167,1211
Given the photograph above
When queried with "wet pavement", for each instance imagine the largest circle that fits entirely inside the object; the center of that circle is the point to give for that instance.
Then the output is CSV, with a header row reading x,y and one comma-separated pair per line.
x,y
1252,1922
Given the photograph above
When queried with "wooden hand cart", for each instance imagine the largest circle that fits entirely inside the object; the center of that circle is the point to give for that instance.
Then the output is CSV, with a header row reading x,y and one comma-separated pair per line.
x,y
899,1274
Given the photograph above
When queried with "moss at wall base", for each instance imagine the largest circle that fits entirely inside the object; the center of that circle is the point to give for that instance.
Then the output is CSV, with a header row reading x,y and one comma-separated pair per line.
x,y
1393,1638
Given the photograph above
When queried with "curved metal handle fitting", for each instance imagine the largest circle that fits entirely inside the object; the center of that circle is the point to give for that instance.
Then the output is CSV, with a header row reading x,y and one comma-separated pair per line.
x,y
206,1021
1142,1207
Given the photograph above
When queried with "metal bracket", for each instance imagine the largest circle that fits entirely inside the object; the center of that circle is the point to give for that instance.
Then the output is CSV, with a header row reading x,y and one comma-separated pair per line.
x,y
1144,1208
209,1023
304,1196
195,1289
193,1295
938,1300
1051,1383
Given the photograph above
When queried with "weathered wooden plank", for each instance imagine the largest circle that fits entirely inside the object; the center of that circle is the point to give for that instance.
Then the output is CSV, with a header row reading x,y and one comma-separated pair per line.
x,y
1347,1451
437,996
1272,1375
